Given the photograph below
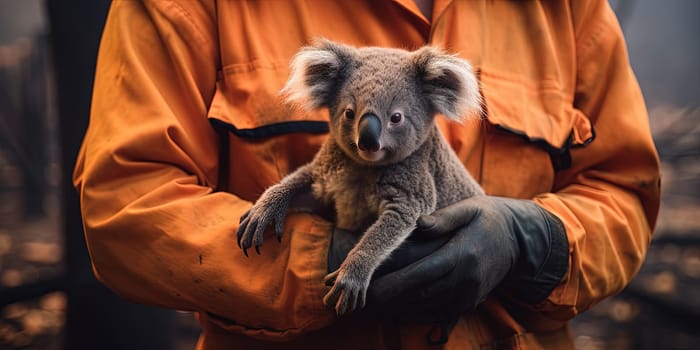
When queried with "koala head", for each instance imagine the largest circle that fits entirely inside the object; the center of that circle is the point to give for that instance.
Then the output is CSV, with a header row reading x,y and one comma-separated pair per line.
x,y
382,102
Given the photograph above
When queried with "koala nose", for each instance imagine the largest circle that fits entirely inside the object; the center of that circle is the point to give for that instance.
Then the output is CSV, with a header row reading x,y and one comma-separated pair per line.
x,y
370,128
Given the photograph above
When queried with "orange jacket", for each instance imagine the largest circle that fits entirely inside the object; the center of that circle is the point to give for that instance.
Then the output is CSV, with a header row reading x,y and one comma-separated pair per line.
x,y
187,129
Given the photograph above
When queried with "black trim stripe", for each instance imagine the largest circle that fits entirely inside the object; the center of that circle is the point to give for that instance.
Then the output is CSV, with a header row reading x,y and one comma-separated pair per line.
x,y
560,156
277,129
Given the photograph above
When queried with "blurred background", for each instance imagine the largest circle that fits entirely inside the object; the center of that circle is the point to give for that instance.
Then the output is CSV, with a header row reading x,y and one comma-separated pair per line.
x,y
49,298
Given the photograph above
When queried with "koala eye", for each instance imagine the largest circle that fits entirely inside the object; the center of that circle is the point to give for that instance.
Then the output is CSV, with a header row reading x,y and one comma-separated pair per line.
x,y
396,118
349,114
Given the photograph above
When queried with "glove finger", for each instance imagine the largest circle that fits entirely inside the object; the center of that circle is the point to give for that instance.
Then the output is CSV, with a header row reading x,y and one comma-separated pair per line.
x,y
419,311
428,295
425,271
447,219
410,251
428,314
448,303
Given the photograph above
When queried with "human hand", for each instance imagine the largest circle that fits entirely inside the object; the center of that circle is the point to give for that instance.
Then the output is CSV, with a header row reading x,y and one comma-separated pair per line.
x,y
350,278
491,240
416,247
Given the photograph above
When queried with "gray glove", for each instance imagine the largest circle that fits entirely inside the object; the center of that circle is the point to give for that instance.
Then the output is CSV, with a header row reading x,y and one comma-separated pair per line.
x,y
491,241
416,247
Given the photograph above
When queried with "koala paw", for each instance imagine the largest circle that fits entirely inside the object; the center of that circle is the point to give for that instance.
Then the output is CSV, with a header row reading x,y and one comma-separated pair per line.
x,y
348,292
254,221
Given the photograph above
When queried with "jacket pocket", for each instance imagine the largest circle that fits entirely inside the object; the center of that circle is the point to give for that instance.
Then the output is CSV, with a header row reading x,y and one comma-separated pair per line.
x,y
530,129
247,102
263,139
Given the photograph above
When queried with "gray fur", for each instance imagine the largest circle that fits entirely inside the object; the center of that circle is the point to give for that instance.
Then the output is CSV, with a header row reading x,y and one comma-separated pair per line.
x,y
414,173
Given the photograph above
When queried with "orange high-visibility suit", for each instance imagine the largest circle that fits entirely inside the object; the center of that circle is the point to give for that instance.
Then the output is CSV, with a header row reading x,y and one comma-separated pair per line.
x,y
187,129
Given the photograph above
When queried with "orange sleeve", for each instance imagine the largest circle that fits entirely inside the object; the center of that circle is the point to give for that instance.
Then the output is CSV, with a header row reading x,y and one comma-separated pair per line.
x,y
609,198
156,230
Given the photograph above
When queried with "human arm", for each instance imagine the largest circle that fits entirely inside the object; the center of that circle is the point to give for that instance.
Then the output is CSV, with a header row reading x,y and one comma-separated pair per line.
x,y
608,199
488,241
157,230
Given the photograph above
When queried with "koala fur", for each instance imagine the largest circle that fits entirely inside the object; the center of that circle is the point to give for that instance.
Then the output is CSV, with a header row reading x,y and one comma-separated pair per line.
x,y
385,162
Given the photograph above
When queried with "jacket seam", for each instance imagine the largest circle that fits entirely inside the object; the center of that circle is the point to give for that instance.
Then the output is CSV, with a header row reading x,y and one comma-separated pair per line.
x,y
187,17
586,39
253,65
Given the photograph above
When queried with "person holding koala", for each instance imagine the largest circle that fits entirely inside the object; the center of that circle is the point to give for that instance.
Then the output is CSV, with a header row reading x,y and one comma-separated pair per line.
x,y
384,162
188,129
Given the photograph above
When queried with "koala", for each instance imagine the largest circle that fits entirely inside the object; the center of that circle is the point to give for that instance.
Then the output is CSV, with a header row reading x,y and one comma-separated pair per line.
x,y
385,162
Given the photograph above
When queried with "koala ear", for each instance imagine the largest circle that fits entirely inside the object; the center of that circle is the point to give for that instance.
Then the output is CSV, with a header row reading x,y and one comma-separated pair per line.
x,y
449,83
316,72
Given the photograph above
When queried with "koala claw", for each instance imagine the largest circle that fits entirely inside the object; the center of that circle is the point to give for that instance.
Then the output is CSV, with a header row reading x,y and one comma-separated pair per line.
x,y
253,224
347,293
329,280
278,234
244,216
